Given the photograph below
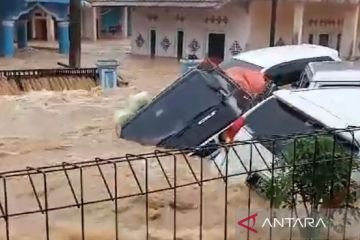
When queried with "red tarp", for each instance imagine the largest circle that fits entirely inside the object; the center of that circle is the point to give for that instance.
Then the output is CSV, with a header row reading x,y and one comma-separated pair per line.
x,y
253,82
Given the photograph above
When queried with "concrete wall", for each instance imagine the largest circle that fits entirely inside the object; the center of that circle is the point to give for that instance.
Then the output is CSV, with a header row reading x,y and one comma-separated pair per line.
x,y
320,12
88,21
260,24
193,26
260,12
250,26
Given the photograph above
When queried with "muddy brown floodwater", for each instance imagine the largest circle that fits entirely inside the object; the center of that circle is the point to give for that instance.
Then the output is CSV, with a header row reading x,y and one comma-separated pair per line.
x,y
44,128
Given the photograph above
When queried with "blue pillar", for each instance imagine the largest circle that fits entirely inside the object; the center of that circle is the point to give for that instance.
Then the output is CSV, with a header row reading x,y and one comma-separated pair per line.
x,y
22,34
7,39
63,37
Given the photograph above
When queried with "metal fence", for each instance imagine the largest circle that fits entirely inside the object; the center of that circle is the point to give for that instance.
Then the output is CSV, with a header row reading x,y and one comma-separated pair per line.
x,y
55,72
180,195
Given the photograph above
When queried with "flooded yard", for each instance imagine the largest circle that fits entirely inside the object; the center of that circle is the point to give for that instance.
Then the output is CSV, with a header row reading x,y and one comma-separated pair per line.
x,y
46,128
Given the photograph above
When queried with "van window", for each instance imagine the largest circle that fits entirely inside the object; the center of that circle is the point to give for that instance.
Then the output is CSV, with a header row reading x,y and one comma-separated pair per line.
x,y
290,72
339,85
304,81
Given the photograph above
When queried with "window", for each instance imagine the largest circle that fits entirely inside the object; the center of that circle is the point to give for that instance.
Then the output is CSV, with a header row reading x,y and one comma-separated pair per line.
x,y
311,39
288,121
339,85
304,80
290,72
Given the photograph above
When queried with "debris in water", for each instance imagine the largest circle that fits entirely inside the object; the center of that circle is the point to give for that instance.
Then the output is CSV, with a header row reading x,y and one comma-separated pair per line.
x,y
11,87
133,104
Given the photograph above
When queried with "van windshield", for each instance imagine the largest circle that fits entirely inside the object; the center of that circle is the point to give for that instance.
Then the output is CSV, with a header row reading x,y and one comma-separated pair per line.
x,y
285,121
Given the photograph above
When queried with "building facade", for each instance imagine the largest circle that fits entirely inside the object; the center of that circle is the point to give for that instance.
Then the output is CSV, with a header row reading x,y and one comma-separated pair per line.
x,y
47,20
105,20
220,29
23,20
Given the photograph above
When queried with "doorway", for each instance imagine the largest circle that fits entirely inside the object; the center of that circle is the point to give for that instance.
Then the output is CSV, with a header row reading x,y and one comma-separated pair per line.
x,y
338,42
216,47
40,30
97,29
29,30
324,40
152,43
180,43
129,23
56,35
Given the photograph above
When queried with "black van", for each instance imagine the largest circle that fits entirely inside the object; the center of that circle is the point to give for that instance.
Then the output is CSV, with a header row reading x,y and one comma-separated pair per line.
x,y
191,110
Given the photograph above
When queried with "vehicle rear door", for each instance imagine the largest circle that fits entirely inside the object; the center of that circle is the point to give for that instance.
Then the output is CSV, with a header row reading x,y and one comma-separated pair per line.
x,y
188,112
228,102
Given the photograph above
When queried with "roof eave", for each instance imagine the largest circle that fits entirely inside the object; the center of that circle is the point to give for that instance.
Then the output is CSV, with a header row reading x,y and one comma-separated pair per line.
x,y
182,4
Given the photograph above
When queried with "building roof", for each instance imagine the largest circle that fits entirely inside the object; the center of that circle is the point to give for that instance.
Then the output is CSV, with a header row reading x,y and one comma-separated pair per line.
x,y
335,71
161,3
190,3
334,107
271,56
49,1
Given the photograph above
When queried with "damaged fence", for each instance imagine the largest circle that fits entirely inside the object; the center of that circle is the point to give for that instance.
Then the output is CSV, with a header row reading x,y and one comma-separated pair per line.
x,y
17,81
173,195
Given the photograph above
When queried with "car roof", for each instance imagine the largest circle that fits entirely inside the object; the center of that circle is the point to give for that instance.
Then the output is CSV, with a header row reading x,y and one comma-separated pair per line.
x,y
333,107
335,71
271,56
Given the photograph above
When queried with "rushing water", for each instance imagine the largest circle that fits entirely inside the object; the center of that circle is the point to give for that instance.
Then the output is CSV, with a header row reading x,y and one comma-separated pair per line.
x,y
41,128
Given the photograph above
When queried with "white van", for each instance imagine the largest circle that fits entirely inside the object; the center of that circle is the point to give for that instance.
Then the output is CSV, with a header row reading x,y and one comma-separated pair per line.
x,y
282,64
285,113
330,74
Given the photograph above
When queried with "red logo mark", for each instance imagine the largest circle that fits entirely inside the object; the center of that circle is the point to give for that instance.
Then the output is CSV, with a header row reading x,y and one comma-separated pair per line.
x,y
253,217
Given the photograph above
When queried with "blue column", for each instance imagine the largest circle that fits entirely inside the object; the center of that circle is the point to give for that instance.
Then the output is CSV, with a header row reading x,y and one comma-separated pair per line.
x,y
22,34
63,37
7,39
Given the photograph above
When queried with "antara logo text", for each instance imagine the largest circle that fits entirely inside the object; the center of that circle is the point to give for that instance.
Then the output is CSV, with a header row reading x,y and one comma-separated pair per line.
x,y
249,222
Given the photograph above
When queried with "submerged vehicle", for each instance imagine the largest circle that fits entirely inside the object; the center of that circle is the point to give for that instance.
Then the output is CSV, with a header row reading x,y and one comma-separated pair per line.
x,y
206,100
330,74
195,107
282,64
289,112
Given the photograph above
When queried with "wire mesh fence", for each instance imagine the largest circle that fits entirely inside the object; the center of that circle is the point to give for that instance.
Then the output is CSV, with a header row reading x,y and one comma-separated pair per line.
x,y
175,195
